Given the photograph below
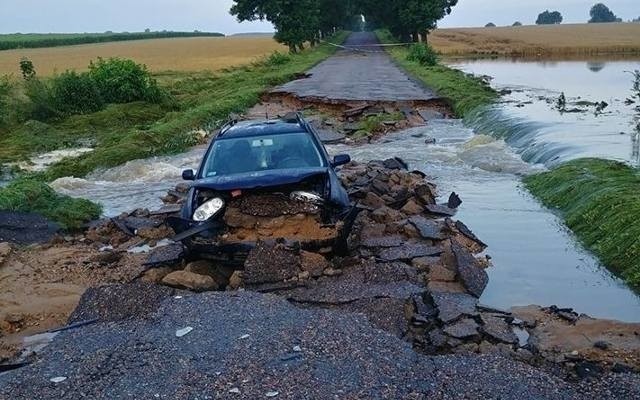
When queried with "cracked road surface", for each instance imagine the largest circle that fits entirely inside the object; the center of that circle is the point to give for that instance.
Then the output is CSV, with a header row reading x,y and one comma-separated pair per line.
x,y
249,345
369,74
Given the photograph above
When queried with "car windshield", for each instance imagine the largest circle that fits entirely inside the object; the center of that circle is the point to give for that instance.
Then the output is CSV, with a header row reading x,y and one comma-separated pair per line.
x,y
262,153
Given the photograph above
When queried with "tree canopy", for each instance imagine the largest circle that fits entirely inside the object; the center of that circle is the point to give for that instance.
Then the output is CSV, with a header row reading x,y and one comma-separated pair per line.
x,y
549,18
601,13
517,23
301,21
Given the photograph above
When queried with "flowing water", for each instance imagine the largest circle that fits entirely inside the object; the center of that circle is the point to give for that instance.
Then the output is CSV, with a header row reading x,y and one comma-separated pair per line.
x,y
529,119
536,260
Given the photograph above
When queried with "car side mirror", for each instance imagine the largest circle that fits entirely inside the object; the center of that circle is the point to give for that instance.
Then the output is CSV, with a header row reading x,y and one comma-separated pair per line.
x,y
341,159
188,175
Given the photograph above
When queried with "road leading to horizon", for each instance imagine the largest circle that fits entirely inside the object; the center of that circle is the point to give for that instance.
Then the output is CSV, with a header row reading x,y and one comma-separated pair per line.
x,y
362,72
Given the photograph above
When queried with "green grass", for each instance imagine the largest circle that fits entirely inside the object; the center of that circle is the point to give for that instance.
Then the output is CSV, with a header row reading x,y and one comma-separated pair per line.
x,y
39,40
463,92
600,201
139,130
33,195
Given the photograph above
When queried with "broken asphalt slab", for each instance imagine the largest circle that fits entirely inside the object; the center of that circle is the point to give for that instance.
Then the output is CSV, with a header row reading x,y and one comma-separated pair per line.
x,y
246,345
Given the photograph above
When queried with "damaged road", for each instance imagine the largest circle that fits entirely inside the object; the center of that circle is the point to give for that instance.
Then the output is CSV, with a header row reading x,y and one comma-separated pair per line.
x,y
295,323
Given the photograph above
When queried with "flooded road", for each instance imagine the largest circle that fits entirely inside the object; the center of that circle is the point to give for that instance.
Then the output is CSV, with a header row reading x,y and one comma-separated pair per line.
x,y
530,121
536,260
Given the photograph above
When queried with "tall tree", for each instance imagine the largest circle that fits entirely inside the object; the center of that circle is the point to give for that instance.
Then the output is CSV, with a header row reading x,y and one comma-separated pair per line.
x,y
296,21
601,13
549,17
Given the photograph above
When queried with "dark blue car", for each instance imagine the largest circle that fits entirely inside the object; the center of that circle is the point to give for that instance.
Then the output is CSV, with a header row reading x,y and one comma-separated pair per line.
x,y
249,162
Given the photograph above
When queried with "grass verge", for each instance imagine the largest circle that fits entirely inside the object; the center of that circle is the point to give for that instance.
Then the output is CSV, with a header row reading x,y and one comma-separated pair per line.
x,y
463,92
600,201
140,130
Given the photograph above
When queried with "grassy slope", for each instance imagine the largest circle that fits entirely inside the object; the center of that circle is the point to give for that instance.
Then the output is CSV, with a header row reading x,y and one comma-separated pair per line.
x,y
600,200
140,130
463,92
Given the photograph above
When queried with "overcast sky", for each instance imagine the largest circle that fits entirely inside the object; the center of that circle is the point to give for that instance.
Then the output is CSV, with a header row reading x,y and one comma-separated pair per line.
x,y
213,15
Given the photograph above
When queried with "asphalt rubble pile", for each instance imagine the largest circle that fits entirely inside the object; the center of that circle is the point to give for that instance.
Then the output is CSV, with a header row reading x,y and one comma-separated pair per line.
x,y
352,121
411,270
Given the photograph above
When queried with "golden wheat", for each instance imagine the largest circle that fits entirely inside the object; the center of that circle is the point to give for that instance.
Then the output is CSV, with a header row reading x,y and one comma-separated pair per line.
x,y
182,54
541,40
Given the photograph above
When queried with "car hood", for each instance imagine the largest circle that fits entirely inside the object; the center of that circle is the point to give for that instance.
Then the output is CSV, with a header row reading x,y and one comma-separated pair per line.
x,y
260,179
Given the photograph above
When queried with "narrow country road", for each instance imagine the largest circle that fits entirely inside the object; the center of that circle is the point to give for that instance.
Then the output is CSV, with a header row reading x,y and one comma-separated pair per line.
x,y
361,72
146,341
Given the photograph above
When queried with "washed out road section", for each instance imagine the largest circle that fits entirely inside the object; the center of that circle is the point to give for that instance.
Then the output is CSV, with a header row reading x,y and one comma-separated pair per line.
x,y
361,72
249,345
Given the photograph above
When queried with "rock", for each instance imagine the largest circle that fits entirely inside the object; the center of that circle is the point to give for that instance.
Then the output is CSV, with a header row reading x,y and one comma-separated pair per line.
x,y
373,200
191,281
454,201
166,254
428,229
438,272
462,329
472,275
383,241
430,140
380,186
425,194
270,264
412,208
313,263
436,338
425,263
156,275
106,257
236,280
304,275
429,114
386,215
452,306
440,210
498,329
395,163
409,251
460,226
602,345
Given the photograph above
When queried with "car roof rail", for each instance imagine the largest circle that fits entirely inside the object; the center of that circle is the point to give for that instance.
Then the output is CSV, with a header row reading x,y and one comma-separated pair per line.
x,y
232,120
296,117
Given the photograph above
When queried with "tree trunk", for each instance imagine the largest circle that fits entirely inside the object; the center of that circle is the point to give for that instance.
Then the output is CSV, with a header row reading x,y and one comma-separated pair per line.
x,y
425,38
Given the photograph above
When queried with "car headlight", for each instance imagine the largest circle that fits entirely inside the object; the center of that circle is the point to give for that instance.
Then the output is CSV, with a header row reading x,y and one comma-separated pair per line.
x,y
208,209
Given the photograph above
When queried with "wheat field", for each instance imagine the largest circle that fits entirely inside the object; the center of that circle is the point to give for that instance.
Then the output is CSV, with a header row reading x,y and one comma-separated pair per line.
x,y
540,40
182,54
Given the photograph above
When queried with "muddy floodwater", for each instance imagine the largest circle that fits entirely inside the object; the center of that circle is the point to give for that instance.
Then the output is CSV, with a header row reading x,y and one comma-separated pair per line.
x,y
529,119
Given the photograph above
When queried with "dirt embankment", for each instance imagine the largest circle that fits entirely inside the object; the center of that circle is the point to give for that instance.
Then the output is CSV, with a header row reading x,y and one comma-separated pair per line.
x,y
411,269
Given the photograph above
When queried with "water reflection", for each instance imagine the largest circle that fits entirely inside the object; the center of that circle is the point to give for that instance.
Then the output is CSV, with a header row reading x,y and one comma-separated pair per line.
x,y
528,119
596,66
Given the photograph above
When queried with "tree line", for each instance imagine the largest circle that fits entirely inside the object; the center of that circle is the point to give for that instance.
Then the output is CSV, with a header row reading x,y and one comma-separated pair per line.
x,y
55,41
307,21
599,13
